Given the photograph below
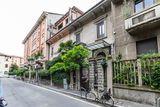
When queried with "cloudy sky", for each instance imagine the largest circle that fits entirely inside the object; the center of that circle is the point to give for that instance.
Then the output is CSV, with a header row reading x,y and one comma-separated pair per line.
x,y
18,16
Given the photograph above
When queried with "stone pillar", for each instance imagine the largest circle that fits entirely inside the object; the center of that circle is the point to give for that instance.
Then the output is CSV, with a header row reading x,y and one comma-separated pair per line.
x,y
139,72
29,73
109,75
71,81
100,75
51,82
77,80
91,74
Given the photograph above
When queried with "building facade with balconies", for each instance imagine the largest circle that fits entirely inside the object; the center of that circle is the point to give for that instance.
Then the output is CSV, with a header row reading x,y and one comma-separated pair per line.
x,y
137,27
94,29
61,31
35,41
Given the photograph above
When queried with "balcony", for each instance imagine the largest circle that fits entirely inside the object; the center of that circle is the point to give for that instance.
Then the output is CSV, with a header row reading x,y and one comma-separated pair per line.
x,y
143,21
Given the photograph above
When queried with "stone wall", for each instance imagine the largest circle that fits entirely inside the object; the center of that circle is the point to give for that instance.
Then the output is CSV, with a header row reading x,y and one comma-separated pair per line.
x,y
145,96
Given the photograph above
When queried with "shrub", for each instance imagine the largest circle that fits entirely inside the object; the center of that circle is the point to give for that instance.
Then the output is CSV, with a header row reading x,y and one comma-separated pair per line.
x,y
155,76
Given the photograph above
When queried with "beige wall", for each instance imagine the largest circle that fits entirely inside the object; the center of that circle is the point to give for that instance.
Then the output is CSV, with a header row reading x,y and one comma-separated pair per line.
x,y
88,34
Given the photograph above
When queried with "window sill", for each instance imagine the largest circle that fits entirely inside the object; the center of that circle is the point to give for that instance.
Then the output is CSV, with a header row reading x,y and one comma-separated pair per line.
x,y
101,38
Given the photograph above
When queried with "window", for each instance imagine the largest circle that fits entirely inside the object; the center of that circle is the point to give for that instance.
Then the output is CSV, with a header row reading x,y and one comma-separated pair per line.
x,y
100,30
52,51
78,38
6,65
60,26
6,59
66,21
147,46
142,4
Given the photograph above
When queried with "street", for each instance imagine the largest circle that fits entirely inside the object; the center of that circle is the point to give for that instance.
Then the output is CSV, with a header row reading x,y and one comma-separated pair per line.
x,y
20,94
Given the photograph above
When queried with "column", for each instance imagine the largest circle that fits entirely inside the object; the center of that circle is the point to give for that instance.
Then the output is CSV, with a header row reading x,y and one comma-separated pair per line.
x,y
91,74
71,81
139,72
100,75
109,75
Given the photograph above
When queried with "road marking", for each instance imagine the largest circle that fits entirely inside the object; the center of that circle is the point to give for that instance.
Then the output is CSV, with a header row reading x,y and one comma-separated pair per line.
x,y
66,95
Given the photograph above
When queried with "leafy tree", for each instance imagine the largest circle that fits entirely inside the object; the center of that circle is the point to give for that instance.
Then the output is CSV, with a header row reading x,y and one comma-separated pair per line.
x,y
50,63
44,73
64,47
21,72
72,58
13,69
76,58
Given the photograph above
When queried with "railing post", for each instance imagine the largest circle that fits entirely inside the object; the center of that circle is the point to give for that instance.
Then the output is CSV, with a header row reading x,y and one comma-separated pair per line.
x,y
110,75
139,72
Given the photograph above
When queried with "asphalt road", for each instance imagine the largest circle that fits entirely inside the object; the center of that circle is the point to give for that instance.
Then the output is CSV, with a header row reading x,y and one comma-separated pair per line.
x,y
20,94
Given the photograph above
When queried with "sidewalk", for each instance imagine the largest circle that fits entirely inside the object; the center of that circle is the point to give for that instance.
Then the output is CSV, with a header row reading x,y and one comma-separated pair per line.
x,y
118,102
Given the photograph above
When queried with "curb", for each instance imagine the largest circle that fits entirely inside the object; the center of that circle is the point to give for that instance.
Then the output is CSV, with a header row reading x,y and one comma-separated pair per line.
x,y
71,94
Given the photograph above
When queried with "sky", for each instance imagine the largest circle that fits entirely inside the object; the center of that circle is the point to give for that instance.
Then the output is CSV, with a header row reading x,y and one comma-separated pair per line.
x,y
17,17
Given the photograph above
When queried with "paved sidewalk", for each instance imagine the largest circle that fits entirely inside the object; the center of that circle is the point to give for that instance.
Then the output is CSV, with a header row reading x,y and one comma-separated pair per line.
x,y
118,102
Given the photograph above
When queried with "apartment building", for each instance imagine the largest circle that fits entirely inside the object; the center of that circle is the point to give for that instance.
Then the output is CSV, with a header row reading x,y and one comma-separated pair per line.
x,y
112,27
95,29
137,27
6,61
72,14
35,41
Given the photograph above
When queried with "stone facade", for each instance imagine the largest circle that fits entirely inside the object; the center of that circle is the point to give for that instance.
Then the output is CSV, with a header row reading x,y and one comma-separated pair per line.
x,y
125,42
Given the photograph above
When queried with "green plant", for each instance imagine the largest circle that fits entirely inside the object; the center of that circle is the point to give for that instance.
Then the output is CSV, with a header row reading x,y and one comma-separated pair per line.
x,y
13,68
155,76
20,72
124,73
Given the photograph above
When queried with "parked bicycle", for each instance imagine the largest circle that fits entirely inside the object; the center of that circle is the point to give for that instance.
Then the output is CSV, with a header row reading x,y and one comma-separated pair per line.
x,y
102,96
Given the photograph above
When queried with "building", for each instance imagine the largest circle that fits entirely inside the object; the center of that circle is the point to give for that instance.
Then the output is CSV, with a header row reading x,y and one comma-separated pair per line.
x,y
6,61
61,32
95,29
110,28
34,42
137,27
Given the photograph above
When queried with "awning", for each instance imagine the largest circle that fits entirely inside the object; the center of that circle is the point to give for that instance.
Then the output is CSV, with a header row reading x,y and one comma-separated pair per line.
x,y
98,44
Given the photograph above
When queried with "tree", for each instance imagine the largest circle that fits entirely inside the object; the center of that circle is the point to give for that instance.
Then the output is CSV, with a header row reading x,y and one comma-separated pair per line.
x,y
64,47
76,57
72,58
13,69
50,63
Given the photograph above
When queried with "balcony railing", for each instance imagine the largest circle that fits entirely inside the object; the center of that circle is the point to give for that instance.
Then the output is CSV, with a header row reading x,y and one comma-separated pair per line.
x,y
144,19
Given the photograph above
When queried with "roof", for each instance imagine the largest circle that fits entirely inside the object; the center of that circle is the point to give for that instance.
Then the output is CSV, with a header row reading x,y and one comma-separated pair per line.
x,y
67,13
40,19
2,54
81,17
